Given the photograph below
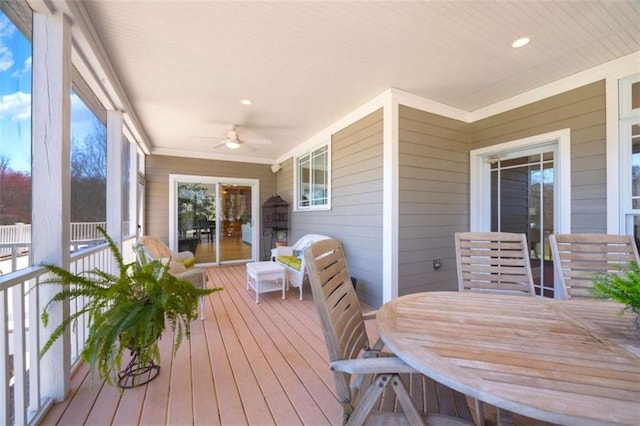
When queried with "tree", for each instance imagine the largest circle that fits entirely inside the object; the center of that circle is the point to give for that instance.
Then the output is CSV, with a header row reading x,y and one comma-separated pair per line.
x,y
89,176
15,194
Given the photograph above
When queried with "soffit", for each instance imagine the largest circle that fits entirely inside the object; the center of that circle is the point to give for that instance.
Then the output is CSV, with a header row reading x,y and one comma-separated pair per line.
x,y
185,65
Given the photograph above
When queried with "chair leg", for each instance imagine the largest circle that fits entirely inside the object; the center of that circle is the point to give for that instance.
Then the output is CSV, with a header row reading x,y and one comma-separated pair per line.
x,y
405,400
368,399
479,412
504,417
201,308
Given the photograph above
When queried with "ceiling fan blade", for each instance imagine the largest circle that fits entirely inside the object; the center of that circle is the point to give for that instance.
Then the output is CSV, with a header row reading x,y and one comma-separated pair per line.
x,y
257,141
250,147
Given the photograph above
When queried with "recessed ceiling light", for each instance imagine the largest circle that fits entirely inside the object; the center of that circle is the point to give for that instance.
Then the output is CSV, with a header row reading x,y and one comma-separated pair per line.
x,y
246,101
522,41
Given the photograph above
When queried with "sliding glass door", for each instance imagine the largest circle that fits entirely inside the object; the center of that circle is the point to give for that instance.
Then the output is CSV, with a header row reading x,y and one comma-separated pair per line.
x,y
214,218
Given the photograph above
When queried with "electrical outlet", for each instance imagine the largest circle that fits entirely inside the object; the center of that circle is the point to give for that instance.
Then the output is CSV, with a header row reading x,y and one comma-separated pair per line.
x,y
437,264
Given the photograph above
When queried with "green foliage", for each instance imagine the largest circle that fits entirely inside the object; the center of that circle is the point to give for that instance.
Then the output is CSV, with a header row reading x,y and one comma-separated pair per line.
x,y
623,287
126,311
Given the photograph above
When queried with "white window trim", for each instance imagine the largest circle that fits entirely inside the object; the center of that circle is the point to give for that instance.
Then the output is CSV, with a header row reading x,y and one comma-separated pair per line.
x,y
480,187
296,184
174,179
627,117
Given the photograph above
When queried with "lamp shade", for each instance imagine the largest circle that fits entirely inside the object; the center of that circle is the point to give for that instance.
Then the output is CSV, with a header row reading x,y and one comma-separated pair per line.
x,y
233,144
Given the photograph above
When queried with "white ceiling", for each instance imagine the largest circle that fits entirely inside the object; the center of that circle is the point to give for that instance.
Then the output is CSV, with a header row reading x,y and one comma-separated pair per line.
x,y
185,65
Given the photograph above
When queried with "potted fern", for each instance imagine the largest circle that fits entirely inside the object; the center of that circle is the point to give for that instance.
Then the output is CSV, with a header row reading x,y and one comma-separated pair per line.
x,y
127,313
623,288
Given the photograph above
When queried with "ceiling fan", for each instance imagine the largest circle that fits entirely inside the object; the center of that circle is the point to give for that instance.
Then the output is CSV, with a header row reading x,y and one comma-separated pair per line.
x,y
233,141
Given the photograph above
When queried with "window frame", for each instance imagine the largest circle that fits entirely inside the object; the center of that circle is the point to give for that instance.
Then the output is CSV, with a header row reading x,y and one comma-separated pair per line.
x,y
628,117
309,156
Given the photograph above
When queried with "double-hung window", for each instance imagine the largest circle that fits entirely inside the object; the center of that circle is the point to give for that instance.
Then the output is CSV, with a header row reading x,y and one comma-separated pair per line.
x,y
312,179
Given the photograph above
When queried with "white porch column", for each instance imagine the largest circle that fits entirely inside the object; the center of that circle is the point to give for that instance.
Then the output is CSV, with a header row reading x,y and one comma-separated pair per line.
x,y
51,102
114,176
390,196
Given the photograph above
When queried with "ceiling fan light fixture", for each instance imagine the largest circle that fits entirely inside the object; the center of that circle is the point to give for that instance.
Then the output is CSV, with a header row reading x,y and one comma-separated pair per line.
x,y
232,144
520,42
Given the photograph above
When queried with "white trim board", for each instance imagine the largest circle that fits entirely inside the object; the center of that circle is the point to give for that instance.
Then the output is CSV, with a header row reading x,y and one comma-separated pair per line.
x,y
211,156
216,180
479,213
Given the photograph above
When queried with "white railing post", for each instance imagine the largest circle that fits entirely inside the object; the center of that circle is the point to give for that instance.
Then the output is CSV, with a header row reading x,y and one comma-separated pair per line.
x,y
51,101
5,406
114,176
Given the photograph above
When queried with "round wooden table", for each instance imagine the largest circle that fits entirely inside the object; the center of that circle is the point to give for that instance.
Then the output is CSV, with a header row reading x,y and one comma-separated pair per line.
x,y
569,362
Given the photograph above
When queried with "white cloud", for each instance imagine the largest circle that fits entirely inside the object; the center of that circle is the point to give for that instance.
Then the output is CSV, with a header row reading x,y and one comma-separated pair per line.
x,y
6,58
6,27
25,70
16,106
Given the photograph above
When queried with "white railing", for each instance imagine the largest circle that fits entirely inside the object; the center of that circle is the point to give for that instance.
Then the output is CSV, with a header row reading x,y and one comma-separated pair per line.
x,y
85,231
22,336
15,243
18,233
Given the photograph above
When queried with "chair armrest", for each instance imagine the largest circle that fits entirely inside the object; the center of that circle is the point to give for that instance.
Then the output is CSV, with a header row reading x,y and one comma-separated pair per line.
x,y
372,366
282,251
196,276
183,255
175,267
369,315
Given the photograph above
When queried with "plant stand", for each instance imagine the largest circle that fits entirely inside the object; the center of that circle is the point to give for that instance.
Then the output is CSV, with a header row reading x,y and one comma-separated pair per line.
x,y
136,373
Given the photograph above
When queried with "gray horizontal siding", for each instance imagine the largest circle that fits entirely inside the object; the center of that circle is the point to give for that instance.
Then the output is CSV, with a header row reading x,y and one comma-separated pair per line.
x,y
159,167
433,198
583,111
355,217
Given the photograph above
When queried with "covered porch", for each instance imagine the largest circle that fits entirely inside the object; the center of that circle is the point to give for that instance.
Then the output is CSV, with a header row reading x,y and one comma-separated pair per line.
x,y
246,363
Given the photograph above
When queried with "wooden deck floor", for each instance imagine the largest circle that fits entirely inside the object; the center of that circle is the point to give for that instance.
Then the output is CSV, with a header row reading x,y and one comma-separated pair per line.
x,y
246,363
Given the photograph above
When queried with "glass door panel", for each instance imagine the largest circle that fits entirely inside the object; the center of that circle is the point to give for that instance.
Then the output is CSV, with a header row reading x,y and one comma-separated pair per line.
x,y
196,204
235,234
522,201
213,218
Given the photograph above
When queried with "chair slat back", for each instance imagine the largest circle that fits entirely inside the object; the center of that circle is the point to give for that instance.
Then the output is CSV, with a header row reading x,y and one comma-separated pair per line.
x,y
335,300
579,257
493,262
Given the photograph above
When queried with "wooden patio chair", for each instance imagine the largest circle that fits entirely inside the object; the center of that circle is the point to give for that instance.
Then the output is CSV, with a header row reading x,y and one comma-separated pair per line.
x,y
494,262
372,386
578,257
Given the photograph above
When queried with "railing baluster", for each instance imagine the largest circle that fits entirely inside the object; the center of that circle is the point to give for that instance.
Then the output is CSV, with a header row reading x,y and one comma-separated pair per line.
x,y
21,335
34,347
19,354
5,403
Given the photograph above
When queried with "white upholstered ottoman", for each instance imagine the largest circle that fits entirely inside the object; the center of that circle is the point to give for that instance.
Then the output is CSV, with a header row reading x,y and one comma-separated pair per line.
x,y
263,277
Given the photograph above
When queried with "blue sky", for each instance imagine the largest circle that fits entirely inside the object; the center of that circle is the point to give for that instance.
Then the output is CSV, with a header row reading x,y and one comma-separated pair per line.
x,y
15,96
15,100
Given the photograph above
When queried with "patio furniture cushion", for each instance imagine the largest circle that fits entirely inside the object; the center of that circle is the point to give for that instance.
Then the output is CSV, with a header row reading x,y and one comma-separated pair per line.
x,y
292,261
291,258
159,250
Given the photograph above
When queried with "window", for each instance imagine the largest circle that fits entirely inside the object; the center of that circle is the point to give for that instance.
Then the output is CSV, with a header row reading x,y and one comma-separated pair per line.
x,y
312,180
88,175
127,226
15,145
630,152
